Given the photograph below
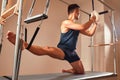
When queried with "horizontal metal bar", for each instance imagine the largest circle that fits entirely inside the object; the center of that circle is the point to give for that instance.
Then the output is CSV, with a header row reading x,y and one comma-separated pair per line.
x,y
103,12
36,18
64,2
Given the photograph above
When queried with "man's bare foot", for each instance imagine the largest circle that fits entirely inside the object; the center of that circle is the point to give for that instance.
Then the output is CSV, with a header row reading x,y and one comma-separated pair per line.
x,y
12,37
68,71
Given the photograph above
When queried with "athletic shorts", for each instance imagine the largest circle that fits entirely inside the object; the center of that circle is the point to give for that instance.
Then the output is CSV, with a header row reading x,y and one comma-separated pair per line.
x,y
70,56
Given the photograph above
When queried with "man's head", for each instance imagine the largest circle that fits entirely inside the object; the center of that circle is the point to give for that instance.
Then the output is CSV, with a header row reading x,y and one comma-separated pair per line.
x,y
74,8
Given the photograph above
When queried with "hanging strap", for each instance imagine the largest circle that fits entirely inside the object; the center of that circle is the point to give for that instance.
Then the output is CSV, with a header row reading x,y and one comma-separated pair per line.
x,y
36,31
34,35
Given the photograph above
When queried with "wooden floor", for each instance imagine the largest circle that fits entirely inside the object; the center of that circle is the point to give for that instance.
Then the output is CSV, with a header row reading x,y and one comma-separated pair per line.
x,y
67,76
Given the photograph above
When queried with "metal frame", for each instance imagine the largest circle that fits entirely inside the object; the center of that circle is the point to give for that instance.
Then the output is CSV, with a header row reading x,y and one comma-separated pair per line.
x,y
18,44
114,33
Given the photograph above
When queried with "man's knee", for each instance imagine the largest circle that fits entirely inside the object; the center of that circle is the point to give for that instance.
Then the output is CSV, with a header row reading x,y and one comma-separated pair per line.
x,y
78,67
80,71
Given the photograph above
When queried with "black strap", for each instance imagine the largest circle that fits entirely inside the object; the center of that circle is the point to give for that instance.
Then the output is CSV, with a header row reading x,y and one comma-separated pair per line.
x,y
9,78
93,8
36,31
25,34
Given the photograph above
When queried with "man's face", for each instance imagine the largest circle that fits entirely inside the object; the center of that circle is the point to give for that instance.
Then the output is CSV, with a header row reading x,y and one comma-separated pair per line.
x,y
77,13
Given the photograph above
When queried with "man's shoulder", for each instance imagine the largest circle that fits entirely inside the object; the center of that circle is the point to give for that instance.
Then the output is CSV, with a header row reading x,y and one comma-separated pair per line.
x,y
66,22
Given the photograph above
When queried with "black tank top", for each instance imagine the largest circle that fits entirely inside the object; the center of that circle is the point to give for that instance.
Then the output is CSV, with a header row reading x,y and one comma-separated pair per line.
x,y
68,40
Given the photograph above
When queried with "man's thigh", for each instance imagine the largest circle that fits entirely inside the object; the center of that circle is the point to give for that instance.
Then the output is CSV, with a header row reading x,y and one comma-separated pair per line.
x,y
55,52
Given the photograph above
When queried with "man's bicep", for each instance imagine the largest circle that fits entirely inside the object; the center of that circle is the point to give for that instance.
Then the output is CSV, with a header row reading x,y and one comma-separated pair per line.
x,y
74,26
85,32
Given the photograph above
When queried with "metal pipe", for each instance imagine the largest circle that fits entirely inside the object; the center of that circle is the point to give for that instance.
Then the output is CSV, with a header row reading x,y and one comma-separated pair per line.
x,y
17,53
47,7
114,41
64,2
31,8
3,7
106,5
4,3
92,41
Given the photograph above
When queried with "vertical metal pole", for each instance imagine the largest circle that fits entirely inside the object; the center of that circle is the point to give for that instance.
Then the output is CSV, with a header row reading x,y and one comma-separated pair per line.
x,y
114,41
114,34
92,48
17,53
4,3
1,37
92,55
3,7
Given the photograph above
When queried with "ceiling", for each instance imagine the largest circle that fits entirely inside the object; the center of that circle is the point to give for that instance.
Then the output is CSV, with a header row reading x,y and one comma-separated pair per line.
x,y
115,4
112,3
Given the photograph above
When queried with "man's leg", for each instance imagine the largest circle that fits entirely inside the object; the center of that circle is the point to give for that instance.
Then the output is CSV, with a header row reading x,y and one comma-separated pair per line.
x,y
77,68
50,51
38,50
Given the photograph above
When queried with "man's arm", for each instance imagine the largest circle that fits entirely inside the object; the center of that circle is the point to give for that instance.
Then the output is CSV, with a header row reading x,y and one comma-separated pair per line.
x,y
71,25
89,32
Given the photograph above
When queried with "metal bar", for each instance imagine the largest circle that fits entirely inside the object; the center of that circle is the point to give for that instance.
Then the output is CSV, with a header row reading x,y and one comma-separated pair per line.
x,y
36,18
114,40
92,41
1,37
3,7
93,5
106,5
103,12
17,44
39,16
64,2
31,9
47,7
1,26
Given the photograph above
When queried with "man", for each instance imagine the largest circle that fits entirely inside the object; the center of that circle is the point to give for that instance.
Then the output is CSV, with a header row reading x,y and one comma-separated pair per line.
x,y
65,49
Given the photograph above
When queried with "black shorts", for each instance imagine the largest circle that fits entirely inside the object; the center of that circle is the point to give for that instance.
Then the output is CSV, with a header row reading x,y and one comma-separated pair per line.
x,y
70,56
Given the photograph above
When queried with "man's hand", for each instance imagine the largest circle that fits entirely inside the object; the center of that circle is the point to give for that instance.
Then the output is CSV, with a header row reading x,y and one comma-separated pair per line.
x,y
95,13
93,18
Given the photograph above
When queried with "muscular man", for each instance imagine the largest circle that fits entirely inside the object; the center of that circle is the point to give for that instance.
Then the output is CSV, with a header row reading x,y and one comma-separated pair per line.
x,y
65,49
